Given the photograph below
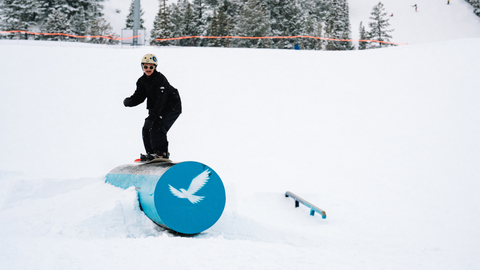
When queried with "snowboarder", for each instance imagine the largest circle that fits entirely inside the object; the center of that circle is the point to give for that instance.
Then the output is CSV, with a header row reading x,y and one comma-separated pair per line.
x,y
163,104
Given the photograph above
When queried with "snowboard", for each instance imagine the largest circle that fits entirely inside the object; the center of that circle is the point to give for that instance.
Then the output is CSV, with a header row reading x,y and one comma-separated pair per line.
x,y
155,160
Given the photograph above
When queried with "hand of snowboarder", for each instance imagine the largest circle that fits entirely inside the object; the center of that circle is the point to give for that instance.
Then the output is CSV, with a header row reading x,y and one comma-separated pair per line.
x,y
127,102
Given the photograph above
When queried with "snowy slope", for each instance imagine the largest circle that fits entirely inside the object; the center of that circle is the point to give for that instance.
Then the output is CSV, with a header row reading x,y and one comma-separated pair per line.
x,y
434,20
388,148
386,141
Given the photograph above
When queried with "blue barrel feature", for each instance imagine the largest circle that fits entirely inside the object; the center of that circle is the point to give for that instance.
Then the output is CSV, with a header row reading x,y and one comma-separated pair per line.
x,y
187,197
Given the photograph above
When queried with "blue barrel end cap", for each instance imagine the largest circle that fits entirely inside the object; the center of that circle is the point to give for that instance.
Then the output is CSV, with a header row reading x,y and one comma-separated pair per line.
x,y
189,197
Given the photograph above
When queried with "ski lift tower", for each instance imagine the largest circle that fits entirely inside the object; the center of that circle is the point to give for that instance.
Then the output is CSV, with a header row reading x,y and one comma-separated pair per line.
x,y
136,20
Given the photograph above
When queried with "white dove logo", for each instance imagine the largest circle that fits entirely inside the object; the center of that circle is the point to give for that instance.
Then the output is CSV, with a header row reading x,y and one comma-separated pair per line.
x,y
196,184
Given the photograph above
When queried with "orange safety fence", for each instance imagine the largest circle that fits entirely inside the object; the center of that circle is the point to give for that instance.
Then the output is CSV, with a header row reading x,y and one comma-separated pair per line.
x,y
277,37
66,35
189,37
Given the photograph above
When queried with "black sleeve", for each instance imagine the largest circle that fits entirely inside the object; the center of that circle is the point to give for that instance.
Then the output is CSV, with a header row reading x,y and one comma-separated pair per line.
x,y
138,97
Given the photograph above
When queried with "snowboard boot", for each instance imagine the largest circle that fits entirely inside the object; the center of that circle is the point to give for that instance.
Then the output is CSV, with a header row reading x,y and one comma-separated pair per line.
x,y
165,155
149,157
145,157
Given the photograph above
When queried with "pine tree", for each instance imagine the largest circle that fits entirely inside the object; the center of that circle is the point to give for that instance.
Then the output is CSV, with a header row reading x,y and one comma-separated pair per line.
x,y
337,26
363,36
328,33
199,21
19,15
252,22
80,14
315,14
222,23
309,29
285,20
183,22
48,6
188,27
212,3
214,30
346,35
100,27
131,17
162,26
66,16
56,22
176,20
91,8
231,8
77,23
84,16
225,19
320,8
476,5
378,27
318,33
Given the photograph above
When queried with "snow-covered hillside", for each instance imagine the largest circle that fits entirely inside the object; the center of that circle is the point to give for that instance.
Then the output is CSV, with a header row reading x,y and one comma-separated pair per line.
x,y
434,20
385,141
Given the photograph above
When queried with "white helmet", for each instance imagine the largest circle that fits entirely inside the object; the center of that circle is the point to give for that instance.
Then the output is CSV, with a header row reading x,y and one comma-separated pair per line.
x,y
149,59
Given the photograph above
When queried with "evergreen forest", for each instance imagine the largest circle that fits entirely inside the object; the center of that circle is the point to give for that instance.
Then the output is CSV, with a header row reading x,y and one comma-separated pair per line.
x,y
273,20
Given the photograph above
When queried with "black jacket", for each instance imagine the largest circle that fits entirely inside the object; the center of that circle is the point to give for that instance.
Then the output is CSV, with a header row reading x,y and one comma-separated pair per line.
x,y
162,98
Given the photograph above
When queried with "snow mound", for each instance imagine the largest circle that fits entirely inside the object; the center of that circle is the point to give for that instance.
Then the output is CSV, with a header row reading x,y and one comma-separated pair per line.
x,y
78,208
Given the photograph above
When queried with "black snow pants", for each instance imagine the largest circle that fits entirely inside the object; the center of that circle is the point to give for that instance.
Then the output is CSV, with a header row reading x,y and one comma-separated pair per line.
x,y
155,138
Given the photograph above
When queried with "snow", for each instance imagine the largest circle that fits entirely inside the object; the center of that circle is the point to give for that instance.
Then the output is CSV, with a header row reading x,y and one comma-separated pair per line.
x,y
434,21
385,141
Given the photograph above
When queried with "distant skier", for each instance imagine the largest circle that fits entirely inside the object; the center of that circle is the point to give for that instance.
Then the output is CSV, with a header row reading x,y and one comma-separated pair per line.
x,y
448,2
391,15
415,6
163,104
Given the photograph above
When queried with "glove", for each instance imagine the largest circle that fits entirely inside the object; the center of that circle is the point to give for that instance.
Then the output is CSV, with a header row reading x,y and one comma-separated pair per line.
x,y
127,102
148,124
